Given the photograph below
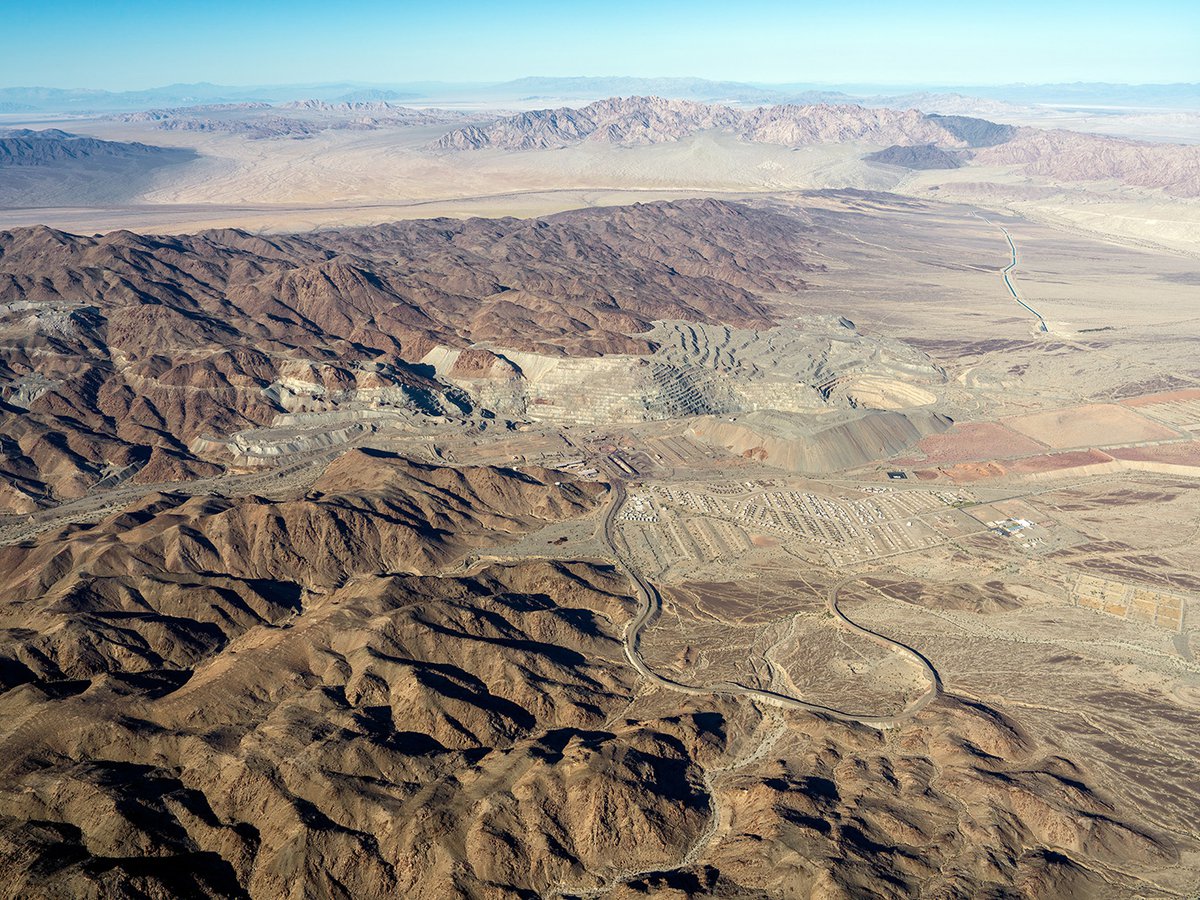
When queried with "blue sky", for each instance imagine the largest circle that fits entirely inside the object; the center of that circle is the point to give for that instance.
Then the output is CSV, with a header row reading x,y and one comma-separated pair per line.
x,y
119,46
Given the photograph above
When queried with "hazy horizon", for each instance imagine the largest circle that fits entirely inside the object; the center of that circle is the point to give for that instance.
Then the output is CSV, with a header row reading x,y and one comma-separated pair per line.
x,y
609,76
77,45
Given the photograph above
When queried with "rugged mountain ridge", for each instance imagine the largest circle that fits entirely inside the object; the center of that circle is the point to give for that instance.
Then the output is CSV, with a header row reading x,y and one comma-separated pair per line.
x,y
369,512
121,352
1057,154
187,713
1071,156
649,120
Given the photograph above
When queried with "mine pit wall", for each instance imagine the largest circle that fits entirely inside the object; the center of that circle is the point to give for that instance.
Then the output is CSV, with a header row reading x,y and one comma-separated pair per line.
x,y
809,448
240,450
340,417
398,399
314,398
606,390
585,392
504,395
698,371
786,396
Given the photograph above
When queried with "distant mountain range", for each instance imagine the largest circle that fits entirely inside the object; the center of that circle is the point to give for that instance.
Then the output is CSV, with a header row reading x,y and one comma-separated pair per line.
x,y
698,89
632,121
1086,93
917,140
81,100
522,91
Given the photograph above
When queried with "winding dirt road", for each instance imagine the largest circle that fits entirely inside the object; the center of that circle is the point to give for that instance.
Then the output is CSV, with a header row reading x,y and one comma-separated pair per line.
x,y
651,605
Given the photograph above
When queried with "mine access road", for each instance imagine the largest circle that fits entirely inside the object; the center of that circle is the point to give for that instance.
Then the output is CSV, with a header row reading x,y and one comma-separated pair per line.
x,y
650,604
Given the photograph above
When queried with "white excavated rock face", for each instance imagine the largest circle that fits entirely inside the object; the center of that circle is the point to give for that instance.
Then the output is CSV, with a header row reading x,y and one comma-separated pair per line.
x,y
611,389
698,370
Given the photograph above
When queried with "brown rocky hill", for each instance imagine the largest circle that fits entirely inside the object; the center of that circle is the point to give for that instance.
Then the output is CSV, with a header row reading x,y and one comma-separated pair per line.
x,y
976,132
925,156
208,698
124,349
801,126
133,586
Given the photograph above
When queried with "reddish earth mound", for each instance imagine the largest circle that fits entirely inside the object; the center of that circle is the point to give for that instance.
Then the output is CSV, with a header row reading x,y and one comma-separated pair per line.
x,y
967,472
1186,453
973,442
1053,462
1163,397
1029,465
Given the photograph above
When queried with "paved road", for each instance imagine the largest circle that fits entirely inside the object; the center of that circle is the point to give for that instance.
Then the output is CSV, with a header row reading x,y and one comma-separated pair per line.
x,y
1012,290
650,604
95,506
1007,271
